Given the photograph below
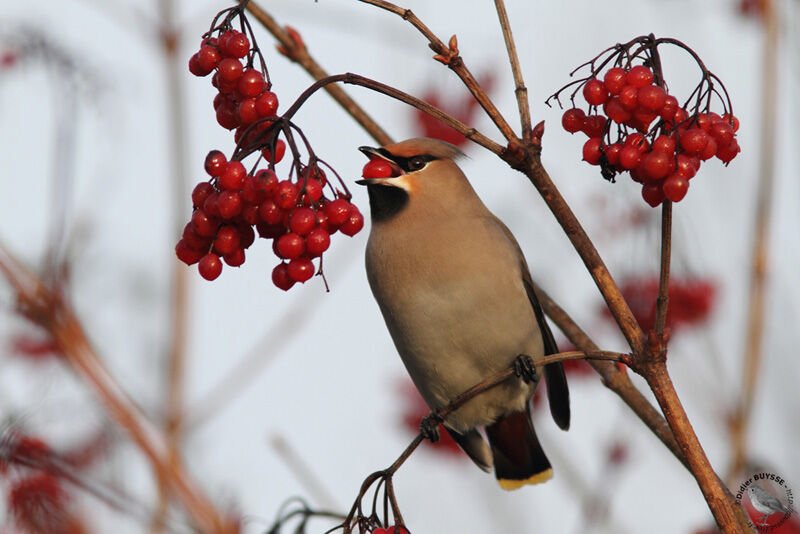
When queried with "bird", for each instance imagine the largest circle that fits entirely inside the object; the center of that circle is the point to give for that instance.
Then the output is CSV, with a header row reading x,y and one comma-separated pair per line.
x,y
765,502
458,300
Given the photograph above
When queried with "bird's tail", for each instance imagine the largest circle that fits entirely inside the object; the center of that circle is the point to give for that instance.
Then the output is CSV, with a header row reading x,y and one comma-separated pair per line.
x,y
518,456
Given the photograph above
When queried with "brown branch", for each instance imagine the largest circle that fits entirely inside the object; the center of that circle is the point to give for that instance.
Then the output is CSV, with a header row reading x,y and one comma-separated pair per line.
x,y
521,91
760,254
662,301
532,167
49,309
449,55
299,54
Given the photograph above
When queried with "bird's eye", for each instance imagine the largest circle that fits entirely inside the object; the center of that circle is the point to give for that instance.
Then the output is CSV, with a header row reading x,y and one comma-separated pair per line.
x,y
416,163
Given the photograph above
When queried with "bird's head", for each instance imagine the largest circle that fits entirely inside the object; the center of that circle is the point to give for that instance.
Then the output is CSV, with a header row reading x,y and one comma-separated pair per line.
x,y
424,170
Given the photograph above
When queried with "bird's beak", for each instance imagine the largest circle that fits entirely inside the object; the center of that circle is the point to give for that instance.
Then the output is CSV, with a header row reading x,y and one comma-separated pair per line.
x,y
373,153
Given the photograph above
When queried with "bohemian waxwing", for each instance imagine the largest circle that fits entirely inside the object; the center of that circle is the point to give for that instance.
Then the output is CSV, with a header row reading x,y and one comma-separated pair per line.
x,y
458,300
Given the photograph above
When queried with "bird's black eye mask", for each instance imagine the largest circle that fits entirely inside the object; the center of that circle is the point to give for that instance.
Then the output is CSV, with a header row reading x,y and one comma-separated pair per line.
x,y
412,164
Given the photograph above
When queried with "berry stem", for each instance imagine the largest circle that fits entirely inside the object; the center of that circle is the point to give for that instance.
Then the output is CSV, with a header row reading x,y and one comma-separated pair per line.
x,y
662,302
521,91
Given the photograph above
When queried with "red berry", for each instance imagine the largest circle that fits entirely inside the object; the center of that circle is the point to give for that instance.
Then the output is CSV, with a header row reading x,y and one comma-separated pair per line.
x,y
246,235
612,154
236,45
670,107
211,206
187,254
302,221
377,168
193,239
204,224
639,76
722,132
300,269
732,120
195,67
210,266
280,277
592,150
614,80
267,182
317,242
250,213
644,117
638,141
286,194
235,258
227,117
573,120
338,211
595,92
200,193
215,163
230,69
727,152
652,97
251,83
208,57
652,194
704,122
227,240
709,151
313,191
354,222
685,166
280,150
675,187
267,104
269,212
693,141
233,176
230,204
594,125
629,97
630,157
616,111
658,164
247,111
290,246
664,143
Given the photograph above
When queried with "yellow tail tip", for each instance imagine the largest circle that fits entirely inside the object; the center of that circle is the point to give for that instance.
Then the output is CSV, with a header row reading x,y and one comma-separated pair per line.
x,y
538,478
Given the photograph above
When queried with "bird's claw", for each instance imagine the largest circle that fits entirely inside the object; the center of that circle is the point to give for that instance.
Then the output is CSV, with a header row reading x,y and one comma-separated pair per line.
x,y
429,427
525,369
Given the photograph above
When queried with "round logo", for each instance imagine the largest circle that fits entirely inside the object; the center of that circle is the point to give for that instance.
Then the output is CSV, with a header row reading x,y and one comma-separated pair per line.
x,y
768,500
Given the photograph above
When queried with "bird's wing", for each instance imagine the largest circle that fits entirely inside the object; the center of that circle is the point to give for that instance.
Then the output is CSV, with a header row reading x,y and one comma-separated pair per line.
x,y
554,375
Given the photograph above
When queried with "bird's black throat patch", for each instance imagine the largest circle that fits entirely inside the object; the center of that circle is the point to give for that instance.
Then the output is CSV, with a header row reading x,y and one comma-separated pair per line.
x,y
385,201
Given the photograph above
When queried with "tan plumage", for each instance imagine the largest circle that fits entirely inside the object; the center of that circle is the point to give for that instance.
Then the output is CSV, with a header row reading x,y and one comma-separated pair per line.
x,y
456,295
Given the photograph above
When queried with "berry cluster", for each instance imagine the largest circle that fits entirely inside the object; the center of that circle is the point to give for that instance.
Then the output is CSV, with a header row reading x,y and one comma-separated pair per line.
x,y
295,214
235,203
634,125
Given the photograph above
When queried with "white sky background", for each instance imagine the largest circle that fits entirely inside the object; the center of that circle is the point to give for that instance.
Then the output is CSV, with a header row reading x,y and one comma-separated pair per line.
x,y
330,390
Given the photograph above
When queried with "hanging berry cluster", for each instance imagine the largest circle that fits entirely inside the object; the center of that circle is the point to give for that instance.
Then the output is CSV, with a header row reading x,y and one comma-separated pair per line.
x,y
299,213
634,125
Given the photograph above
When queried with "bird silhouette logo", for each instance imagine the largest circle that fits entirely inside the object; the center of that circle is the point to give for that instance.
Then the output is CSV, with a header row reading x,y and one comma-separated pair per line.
x,y
766,504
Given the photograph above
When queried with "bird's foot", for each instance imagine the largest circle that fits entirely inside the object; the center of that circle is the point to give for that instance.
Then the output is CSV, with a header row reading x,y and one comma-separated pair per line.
x,y
429,427
525,369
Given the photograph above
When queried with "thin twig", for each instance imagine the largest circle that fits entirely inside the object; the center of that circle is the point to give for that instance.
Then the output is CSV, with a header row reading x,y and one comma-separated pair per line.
x,y
299,54
521,91
454,62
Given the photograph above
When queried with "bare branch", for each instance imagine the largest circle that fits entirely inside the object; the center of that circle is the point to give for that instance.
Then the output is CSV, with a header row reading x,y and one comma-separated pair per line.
x,y
521,91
